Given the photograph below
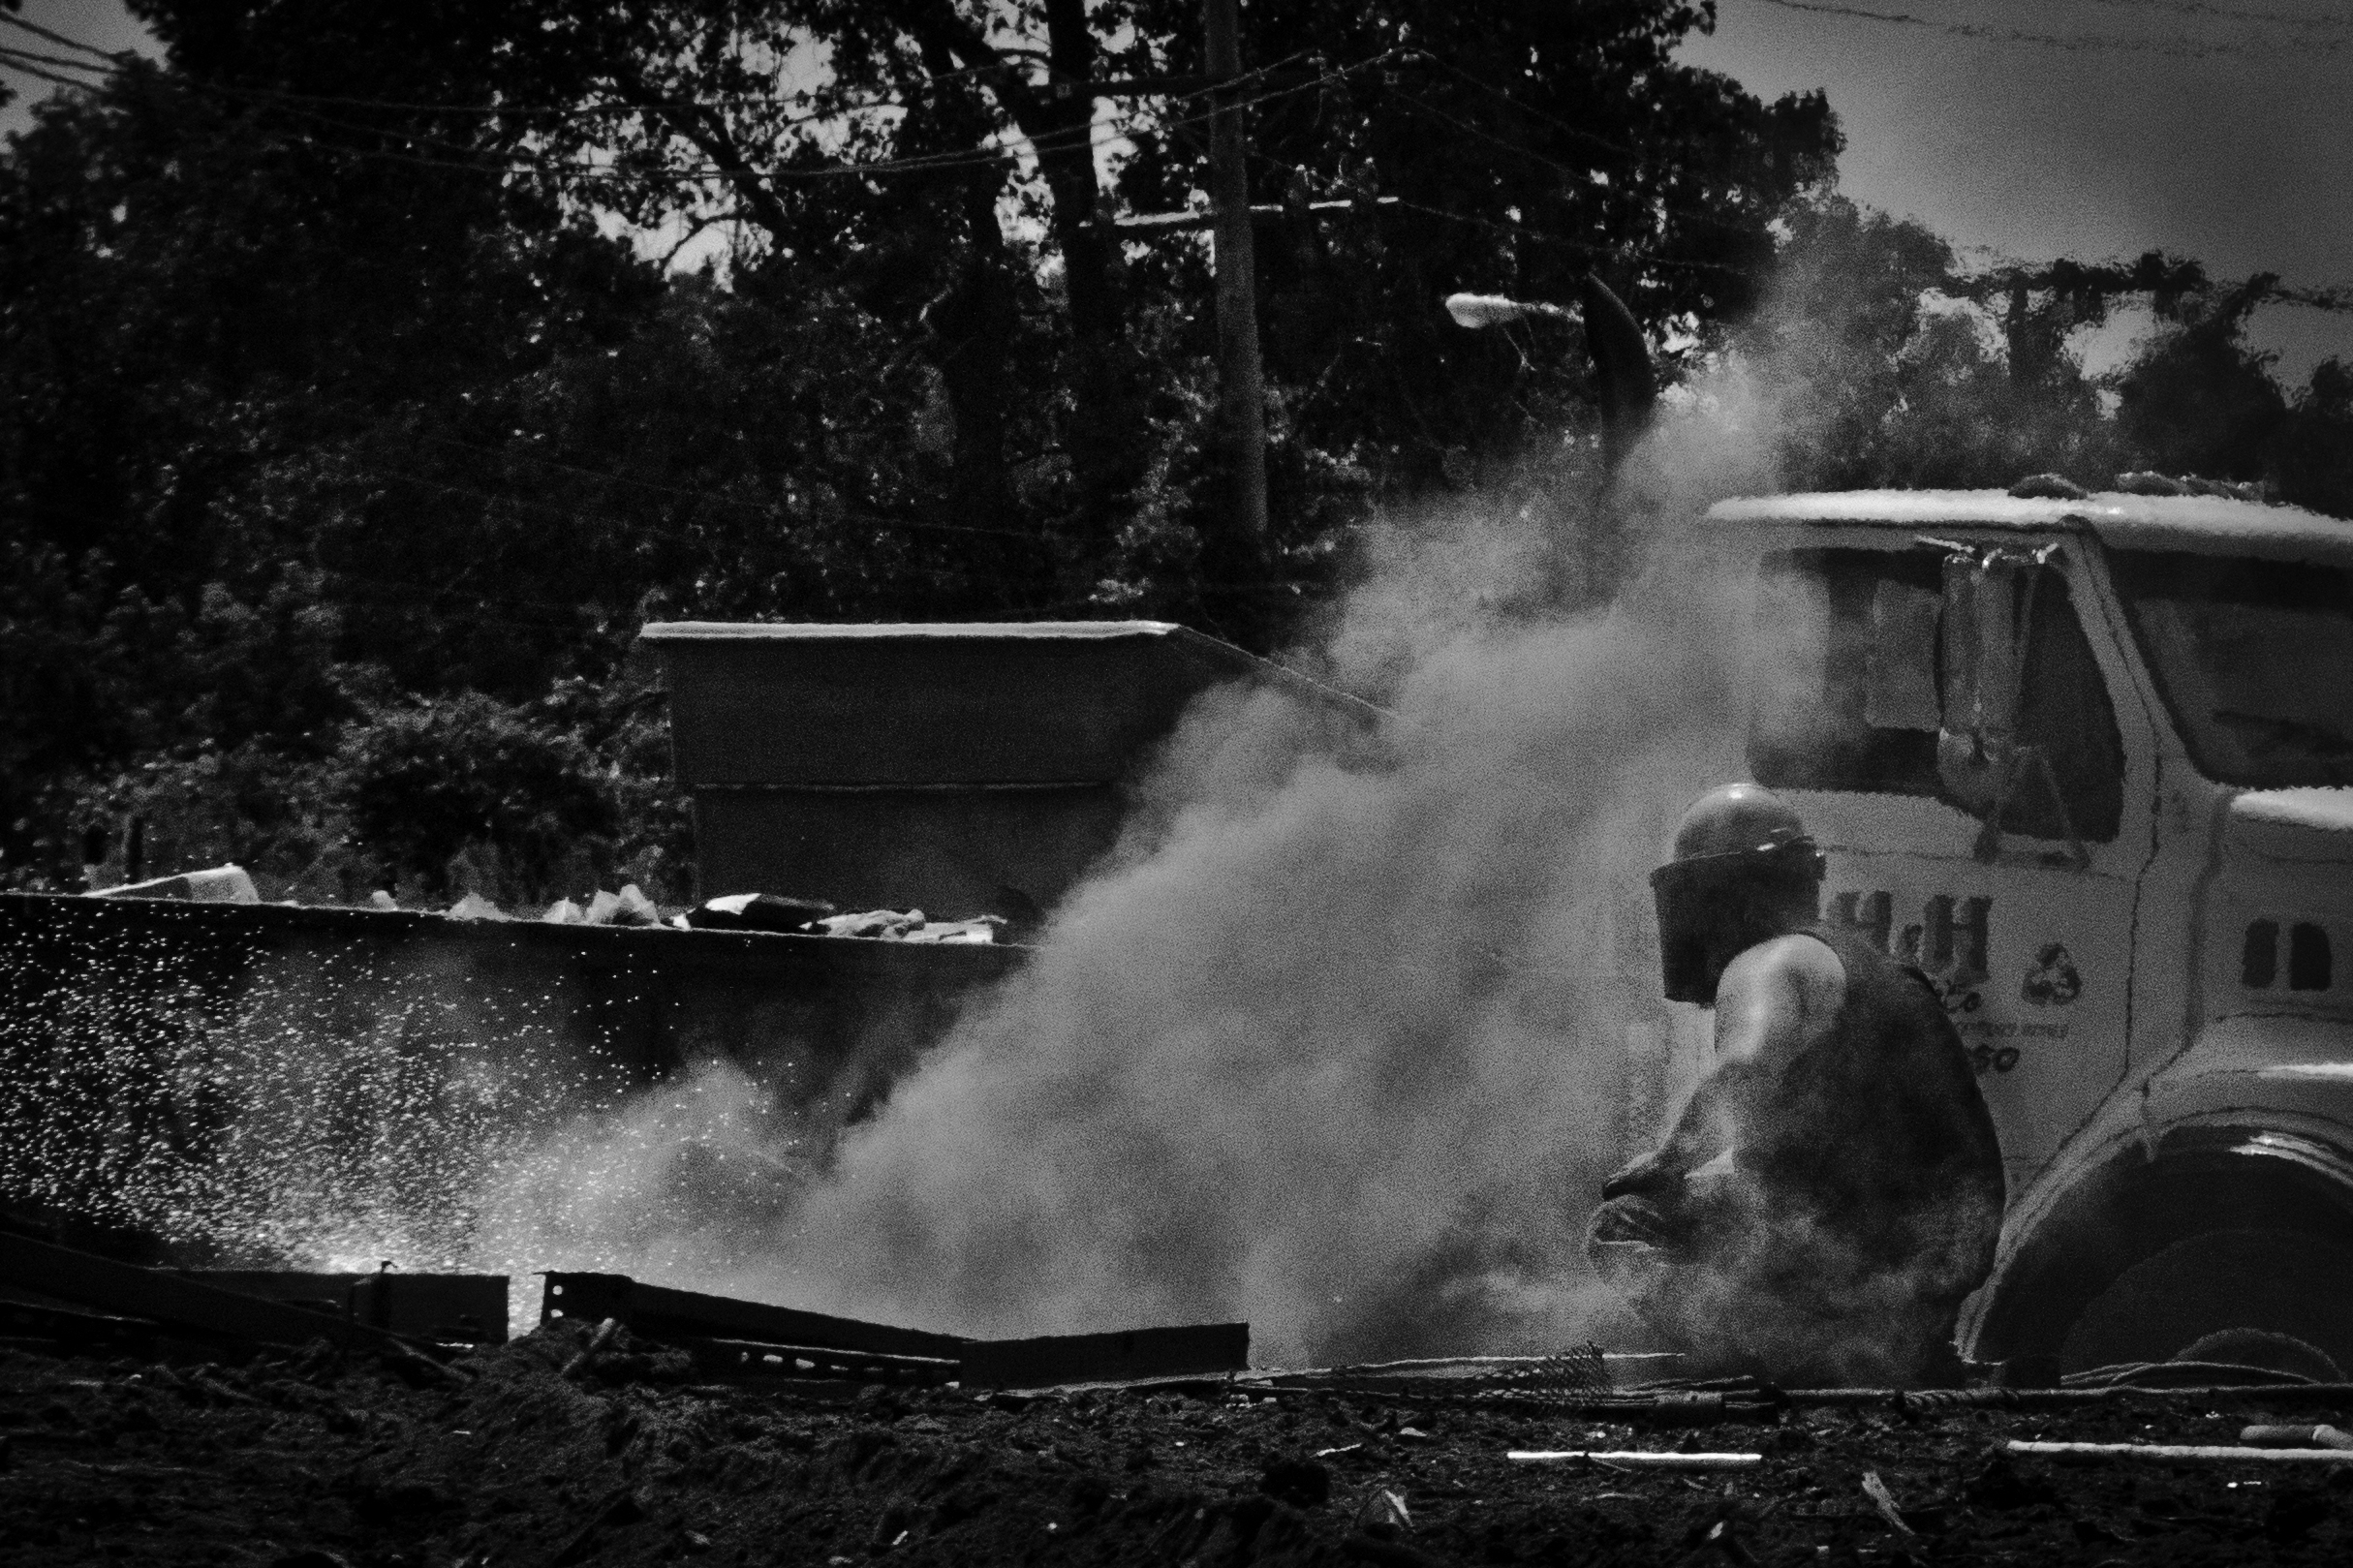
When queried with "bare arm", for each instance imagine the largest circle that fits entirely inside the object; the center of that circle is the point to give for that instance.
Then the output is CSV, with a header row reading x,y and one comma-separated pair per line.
x,y
1774,1000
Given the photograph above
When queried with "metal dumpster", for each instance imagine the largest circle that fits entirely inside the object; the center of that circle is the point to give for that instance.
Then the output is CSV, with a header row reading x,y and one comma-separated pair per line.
x,y
959,769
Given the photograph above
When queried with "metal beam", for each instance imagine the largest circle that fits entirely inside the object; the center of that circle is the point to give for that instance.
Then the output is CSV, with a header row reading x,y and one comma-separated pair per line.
x,y
661,1313
176,1302
1143,225
1106,1358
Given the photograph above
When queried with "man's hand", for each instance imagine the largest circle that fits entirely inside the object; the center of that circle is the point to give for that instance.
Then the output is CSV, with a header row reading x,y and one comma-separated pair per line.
x,y
1648,1174
1712,1184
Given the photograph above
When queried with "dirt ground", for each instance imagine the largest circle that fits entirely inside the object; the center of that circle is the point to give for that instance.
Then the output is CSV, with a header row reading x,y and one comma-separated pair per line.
x,y
316,1459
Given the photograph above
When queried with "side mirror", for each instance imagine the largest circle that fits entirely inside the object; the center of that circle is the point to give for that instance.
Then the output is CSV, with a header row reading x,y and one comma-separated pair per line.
x,y
1981,641
1985,623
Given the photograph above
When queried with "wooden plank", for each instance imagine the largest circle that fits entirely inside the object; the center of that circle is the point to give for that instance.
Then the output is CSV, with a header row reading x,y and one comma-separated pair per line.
x,y
1106,1358
658,1312
176,1300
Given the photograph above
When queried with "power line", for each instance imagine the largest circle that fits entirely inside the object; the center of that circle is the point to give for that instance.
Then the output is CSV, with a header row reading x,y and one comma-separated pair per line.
x,y
930,81
8,64
2334,298
1578,176
467,158
48,59
735,99
605,107
1512,230
1526,107
2325,298
113,61
2179,45
621,107
1508,145
2199,8
39,31
709,497
1089,134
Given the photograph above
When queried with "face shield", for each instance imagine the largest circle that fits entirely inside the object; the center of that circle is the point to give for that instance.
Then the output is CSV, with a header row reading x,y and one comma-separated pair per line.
x,y
1714,907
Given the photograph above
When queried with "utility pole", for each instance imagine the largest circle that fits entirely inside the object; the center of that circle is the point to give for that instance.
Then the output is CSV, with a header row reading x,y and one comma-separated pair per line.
x,y
1241,400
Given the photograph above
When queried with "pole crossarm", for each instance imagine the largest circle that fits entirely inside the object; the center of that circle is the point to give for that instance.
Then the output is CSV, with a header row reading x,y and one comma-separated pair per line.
x,y
1146,224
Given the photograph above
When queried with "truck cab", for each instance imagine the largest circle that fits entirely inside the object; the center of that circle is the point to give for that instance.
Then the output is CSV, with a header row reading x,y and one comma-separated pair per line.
x,y
2087,762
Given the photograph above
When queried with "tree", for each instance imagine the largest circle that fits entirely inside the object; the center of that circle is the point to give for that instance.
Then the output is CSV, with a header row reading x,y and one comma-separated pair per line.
x,y
866,145
1879,369
2311,454
199,308
330,382
686,113
2197,400
1518,145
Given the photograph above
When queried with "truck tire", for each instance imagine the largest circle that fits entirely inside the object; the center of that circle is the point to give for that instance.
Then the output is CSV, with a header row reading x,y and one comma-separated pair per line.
x,y
2274,1282
2226,1228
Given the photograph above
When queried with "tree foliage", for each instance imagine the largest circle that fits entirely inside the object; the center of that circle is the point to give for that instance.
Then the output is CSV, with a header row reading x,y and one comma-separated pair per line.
x,y
1879,376
353,423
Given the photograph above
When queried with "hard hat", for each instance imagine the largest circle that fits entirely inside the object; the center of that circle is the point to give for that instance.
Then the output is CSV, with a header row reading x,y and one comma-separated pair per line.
x,y
1737,819
1745,870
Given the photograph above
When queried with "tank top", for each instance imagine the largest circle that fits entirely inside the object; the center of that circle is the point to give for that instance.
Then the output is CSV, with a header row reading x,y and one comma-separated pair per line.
x,y
1877,1133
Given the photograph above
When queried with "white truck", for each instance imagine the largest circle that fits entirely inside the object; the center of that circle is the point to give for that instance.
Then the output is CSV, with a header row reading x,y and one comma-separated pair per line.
x,y
2088,761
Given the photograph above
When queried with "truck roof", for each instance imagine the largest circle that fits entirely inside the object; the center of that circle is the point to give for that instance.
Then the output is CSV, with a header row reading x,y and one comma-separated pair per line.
x,y
2207,524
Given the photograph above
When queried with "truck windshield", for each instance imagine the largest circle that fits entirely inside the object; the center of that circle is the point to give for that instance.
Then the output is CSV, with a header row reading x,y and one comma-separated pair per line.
x,y
2254,658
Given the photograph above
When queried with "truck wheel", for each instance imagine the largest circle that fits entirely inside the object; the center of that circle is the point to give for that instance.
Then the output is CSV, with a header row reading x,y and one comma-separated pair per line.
x,y
2265,1283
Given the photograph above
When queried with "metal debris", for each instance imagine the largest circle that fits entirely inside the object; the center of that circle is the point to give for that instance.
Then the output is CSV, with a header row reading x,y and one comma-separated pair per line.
x,y
1094,1358
588,1352
1885,1501
178,1302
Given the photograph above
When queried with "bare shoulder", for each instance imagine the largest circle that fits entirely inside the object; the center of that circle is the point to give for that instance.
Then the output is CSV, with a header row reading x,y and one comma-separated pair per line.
x,y
1800,972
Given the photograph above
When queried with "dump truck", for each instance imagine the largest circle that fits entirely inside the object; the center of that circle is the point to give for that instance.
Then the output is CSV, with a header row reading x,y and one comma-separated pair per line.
x,y
2087,759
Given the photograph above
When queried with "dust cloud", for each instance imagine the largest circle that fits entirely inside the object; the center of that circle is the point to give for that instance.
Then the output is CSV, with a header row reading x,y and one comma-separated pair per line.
x,y
1340,1043
1341,1057
1337,1044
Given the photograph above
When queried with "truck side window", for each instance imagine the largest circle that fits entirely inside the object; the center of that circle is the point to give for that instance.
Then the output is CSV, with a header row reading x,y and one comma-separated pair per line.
x,y
1846,655
1812,726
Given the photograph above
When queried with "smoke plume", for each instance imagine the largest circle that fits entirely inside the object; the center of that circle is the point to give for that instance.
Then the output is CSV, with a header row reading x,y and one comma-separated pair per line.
x,y
1337,1043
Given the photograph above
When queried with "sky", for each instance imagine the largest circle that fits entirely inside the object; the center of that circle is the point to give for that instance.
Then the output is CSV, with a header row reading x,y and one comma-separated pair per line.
x,y
2135,125
2024,130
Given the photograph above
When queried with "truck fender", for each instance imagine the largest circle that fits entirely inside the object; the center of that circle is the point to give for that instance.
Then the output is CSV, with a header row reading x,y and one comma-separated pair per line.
x,y
2235,1222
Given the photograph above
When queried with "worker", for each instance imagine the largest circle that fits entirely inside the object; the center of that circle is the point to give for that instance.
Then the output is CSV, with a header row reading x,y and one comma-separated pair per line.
x,y
1833,1190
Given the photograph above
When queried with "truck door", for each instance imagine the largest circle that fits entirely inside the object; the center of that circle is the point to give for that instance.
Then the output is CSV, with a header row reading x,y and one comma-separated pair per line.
x,y
2029,944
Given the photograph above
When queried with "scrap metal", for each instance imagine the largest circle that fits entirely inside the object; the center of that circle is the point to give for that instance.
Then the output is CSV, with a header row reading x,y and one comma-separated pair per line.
x,y
174,1300
447,1308
1103,1358
736,1339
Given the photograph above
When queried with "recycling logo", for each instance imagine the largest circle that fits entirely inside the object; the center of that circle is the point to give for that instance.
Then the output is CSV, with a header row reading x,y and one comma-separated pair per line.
x,y
2053,981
